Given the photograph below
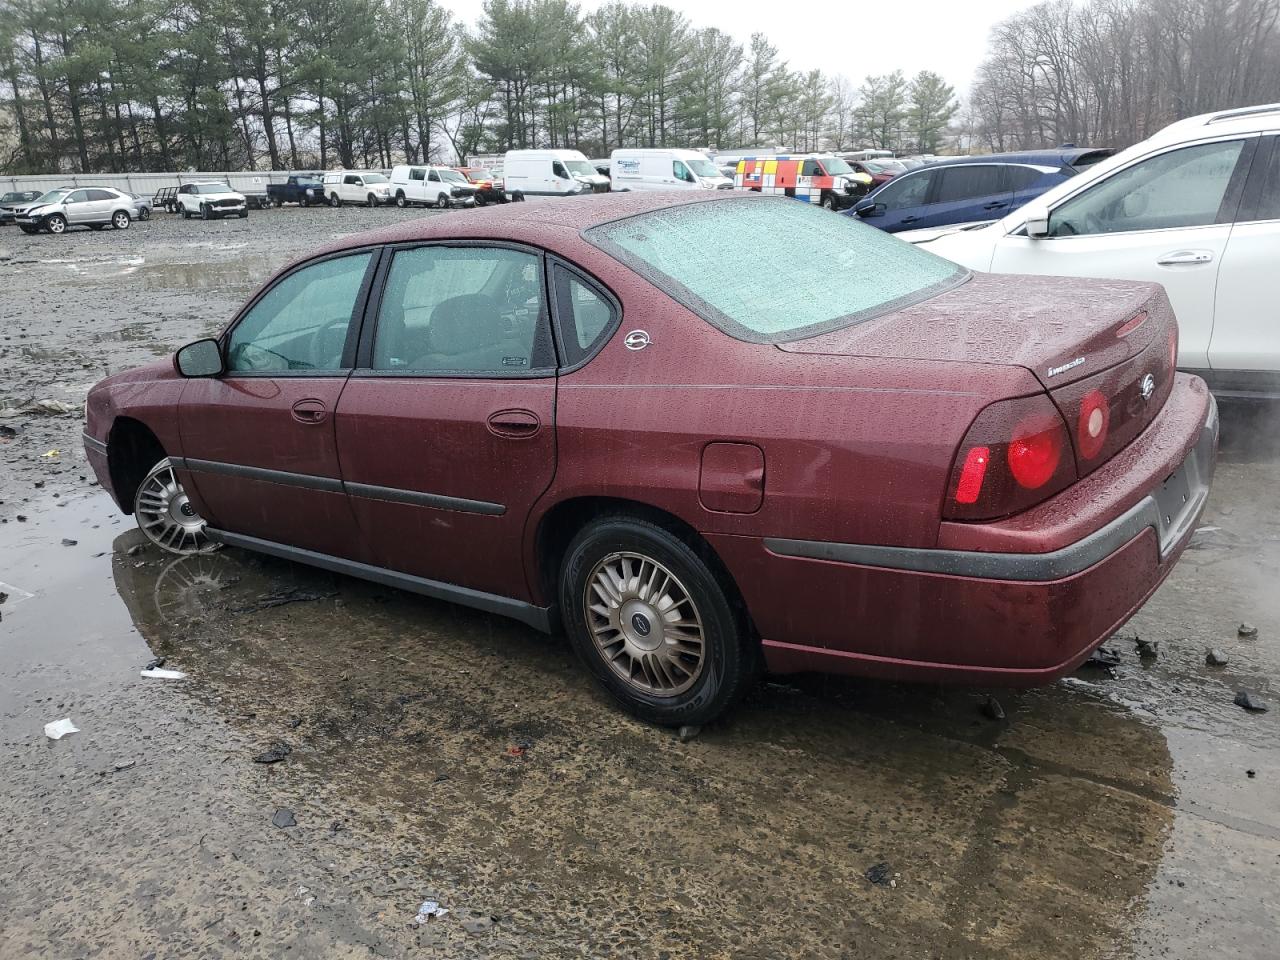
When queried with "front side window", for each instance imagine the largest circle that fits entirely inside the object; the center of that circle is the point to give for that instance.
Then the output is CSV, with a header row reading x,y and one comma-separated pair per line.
x,y
558,170
681,172
462,310
965,182
810,169
1181,188
433,176
78,196
862,273
302,322
904,192
350,179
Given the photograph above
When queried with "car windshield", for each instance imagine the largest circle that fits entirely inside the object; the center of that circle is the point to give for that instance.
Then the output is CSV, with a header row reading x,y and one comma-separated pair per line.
x,y
453,176
884,166
374,178
581,167
862,272
480,173
835,166
212,188
12,197
702,167
53,196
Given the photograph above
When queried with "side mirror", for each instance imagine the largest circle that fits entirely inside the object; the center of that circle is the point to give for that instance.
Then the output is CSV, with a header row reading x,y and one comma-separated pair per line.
x,y
866,207
1037,221
203,358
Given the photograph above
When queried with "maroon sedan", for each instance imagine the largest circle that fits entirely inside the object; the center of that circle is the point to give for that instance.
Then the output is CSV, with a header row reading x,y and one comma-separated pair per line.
x,y
854,456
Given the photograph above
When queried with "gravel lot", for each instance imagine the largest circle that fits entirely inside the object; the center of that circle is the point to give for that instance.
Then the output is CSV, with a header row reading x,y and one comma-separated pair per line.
x,y
436,753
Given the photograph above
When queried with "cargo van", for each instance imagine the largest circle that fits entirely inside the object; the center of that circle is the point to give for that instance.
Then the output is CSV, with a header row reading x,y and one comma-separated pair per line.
x,y
819,179
550,173
437,186
665,170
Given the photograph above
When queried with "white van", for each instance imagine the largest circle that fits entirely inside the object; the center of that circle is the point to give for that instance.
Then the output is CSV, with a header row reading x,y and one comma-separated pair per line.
x,y
436,186
551,173
350,186
665,170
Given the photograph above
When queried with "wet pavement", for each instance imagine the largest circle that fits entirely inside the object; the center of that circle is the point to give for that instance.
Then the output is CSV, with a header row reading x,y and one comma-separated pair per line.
x,y
435,753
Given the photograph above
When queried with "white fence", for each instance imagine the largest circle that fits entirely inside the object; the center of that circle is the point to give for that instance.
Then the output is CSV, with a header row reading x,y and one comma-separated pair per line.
x,y
146,184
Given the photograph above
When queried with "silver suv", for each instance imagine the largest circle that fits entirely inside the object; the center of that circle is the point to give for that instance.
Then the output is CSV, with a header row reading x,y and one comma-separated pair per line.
x,y
92,207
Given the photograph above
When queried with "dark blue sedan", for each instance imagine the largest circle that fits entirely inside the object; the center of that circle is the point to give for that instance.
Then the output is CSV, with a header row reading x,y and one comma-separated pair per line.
x,y
970,189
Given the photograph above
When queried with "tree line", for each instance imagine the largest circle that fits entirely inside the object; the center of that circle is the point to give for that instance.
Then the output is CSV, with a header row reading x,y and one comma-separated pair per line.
x,y
117,85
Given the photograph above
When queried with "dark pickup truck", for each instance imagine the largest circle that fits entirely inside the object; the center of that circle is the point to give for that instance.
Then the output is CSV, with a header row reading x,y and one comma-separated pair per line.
x,y
304,190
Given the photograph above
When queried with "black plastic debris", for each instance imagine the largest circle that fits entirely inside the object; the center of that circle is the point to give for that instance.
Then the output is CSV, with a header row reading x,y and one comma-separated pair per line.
x,y
1216,658
1148,649
283,818
881,875
155,663
1247,630
274,753
1251,773
992,710
1104,658
279,599
7,432
68,542
294,722
1251,702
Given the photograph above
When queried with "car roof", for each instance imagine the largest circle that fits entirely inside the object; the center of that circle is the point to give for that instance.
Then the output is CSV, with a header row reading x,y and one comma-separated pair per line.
x,y
549,223
1240,120
1056,156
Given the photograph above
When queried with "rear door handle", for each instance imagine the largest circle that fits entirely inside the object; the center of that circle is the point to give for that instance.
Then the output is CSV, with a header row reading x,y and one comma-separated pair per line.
x,y
309,411
996,205
910,219
1185,256
514,424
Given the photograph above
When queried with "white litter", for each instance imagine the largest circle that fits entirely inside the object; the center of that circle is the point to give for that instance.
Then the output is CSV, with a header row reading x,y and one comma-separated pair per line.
x,y
429,910
60,728
157,674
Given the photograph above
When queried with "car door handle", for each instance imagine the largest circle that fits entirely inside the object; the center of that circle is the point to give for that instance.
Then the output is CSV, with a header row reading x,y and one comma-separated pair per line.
x,y
514,424
909,219
1185,256
996,205
309,411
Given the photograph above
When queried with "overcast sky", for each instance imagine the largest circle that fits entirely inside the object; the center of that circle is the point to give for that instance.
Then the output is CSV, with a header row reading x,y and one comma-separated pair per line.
x,y
946,36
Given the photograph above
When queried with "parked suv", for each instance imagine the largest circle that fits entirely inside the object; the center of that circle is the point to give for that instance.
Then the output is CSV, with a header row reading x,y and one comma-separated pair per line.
x,y
971,189
210,199
346,186
436,186
13,201
92,207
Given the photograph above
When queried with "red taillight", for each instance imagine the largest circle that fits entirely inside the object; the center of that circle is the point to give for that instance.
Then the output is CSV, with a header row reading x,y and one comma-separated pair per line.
x,y
1034,454
975,468
1091,428
1014,456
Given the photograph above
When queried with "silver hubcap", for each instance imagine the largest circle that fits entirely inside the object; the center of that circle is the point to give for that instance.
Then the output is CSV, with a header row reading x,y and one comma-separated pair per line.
x,y
167,517
645,624
55,226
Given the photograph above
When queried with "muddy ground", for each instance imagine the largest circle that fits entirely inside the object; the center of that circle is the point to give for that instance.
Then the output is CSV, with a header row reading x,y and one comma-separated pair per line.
x,y
438,753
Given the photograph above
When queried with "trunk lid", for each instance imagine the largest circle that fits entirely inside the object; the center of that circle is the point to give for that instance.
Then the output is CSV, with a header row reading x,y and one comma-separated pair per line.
x,y
1080,338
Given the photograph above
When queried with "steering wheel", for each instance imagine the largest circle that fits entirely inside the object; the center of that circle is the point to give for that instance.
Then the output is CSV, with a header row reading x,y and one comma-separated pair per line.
x,y
328,342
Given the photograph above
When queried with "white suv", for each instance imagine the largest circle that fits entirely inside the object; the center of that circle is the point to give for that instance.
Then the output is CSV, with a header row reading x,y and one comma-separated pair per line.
x,y
209,199
1196,208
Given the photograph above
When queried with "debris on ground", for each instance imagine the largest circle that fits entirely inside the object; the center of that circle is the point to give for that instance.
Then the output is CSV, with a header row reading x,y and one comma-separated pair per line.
x,y
274,753
1251,702
282,597
154,663
430,910
283,818
7,432
294,722
688,732
1148,649
881,875
68,542
1103,657
1247,630
991,709
48,407
121,765
1251,773
60,728
136,549
1216,658
155,673
516,750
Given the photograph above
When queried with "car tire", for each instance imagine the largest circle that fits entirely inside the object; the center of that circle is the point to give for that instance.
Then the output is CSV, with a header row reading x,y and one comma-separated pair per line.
x,y
400,199
28,229
517,196
166,517
442,202
204,212
480,200
610,610
829,203
120,220
186,214
335,200
55,223
244,214
144,213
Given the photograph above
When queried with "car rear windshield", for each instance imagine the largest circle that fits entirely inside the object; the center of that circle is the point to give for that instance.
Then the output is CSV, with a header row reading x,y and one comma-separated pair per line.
x,y
769,270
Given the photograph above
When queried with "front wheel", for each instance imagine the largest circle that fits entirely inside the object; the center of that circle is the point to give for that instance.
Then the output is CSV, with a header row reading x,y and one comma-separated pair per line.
x,y
165,515
120,220
442,202
28,229
144,213
56,223
204,211
244,214
371,201
652,622
828,202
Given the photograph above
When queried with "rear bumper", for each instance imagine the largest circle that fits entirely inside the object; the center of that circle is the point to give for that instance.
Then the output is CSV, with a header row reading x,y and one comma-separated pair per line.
x,y
982,615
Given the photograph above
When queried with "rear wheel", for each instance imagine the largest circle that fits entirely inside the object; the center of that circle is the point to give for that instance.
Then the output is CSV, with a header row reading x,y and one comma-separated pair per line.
x,y
120,220
652,622
401,201
165,515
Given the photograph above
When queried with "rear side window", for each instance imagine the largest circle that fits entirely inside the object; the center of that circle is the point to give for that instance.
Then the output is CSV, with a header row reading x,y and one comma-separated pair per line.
x,y
854,272
966,182
462,309
417,173
351,179
1020,178
585,315
101,195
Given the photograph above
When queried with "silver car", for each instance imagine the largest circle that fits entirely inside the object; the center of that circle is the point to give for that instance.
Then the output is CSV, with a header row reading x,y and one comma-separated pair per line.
x,y
92,207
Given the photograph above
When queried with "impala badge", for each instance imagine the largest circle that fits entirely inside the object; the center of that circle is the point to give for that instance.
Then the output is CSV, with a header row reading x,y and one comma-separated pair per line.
x,y
1148,387
636,340
1054,371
